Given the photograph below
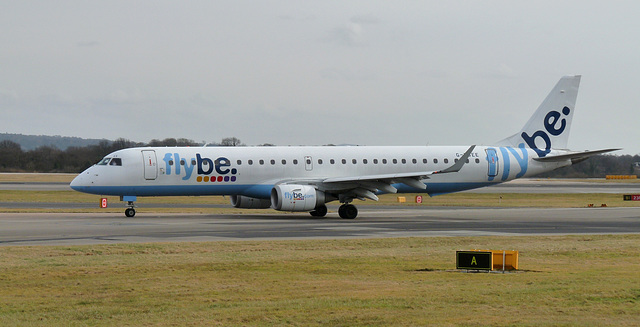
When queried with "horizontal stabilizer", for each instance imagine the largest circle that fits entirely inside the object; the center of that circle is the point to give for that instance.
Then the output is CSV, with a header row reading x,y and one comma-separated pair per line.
x,y
575,157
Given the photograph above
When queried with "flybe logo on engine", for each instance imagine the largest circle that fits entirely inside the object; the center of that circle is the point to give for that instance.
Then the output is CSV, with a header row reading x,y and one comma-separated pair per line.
x,y
207,169
296,196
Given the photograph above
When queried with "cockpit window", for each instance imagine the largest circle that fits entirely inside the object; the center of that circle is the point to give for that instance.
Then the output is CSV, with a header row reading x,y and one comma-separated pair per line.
x,y
110,162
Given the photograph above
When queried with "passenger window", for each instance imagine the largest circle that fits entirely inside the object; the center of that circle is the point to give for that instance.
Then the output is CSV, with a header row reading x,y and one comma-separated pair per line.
x,y
446,160
435,161
395,161
239,162
273,162
170,162
261,162
375,161
404,161
365,161
182,162
477,160
332,161
344,161
424,161
354,161
295,161
284,162
116,162
320,161
384,161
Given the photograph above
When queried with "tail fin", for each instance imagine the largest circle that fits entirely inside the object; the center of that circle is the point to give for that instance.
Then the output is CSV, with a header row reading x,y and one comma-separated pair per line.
x,y
549,126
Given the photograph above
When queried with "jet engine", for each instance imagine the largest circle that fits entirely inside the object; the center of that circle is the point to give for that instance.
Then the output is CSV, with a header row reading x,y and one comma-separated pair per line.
x,y
245,202
296,198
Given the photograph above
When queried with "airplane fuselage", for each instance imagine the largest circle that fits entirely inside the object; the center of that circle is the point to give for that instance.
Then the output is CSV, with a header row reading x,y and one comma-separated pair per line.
x,y
253,171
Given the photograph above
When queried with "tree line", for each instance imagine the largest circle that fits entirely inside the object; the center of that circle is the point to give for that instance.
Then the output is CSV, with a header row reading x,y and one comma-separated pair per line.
x,y
75,159
50,159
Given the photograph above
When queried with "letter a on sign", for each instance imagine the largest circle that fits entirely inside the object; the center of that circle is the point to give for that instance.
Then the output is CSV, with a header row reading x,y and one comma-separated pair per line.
x,y
475,260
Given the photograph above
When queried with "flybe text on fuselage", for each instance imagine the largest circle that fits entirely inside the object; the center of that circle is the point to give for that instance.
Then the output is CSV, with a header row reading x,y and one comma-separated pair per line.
x,y
520,155
205,167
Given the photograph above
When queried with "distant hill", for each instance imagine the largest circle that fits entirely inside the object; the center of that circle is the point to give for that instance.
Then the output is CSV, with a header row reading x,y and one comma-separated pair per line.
x,y
31,142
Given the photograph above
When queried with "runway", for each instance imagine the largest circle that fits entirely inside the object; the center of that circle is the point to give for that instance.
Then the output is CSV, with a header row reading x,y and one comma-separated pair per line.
x,y
373,222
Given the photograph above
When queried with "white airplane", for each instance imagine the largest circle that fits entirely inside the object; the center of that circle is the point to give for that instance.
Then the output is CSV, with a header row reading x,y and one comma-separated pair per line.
x,y
305,178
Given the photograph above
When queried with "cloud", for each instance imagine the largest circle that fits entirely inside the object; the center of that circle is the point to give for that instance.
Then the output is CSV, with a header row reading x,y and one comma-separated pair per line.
x,y
8,97
347,75
365,20
55,100
206,101
119,97
299,18
502,71
434,73
351,35
87,44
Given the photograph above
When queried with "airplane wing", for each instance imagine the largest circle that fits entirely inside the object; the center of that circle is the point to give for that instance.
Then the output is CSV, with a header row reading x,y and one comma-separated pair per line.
x,y
365,186
575,157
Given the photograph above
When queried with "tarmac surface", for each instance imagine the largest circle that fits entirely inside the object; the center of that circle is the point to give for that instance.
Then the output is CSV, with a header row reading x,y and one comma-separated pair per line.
x,y
372,222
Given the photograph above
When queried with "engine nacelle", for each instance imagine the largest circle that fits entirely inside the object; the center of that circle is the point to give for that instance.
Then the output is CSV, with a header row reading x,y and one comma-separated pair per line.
x,y
296,198
245,202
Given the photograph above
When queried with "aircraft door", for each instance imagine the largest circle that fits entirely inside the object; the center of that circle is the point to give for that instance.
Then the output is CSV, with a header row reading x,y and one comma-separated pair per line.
x,y
150,164
492,158
308,163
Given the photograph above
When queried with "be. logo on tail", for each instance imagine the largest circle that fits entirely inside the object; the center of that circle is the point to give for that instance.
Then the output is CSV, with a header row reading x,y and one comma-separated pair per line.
x,y
550,125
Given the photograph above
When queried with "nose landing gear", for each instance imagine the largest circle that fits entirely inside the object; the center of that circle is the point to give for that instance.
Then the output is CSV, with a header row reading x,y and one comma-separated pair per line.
x,y
130,211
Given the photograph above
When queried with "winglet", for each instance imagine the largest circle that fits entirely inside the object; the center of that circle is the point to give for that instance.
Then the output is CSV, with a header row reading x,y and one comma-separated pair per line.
x,y
458,165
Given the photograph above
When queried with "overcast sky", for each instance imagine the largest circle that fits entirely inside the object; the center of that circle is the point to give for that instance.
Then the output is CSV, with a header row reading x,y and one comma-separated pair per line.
x,y
317,72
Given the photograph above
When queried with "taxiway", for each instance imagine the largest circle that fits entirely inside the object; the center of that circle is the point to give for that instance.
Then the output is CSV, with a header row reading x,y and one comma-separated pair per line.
x,y
373,222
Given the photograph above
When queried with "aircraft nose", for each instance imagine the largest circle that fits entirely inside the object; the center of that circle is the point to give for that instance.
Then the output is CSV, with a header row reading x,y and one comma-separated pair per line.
x,y
76,183
81,182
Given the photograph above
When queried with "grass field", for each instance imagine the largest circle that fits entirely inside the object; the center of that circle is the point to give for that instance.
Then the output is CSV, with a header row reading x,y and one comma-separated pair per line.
x,y
565,280
579,280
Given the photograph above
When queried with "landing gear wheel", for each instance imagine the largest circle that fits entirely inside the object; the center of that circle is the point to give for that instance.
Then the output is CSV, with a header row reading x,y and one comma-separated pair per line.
x,y
348,211
130,212
320,211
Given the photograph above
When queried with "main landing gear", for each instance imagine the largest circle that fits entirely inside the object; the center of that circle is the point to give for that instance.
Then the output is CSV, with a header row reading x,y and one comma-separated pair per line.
x,y
320,211
346,211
